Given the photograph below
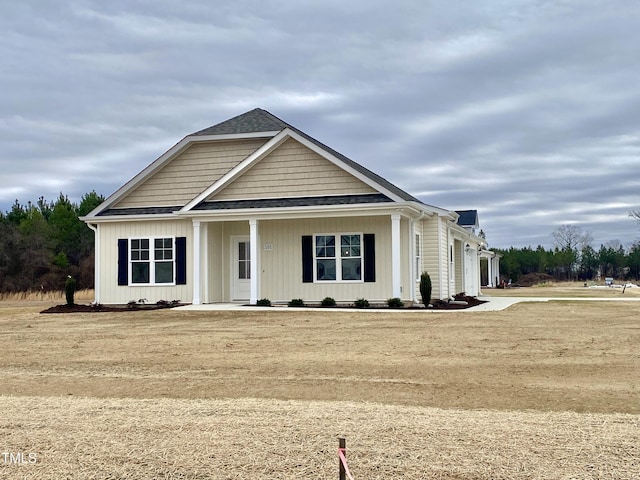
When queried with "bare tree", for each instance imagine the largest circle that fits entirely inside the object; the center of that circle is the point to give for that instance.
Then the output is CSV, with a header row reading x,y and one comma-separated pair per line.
x,y
571,237
635,214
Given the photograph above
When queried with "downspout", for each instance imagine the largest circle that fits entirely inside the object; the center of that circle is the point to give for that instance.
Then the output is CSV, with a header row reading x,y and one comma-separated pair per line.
x,y
96,263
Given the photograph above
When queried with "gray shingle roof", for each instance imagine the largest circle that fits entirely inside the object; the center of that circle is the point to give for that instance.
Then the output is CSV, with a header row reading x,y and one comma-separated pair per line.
x,y
468,218
259,120
294,202
138,211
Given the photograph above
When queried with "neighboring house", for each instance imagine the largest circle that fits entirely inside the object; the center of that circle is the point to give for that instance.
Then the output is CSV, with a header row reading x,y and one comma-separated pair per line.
x,y
489,261
254,208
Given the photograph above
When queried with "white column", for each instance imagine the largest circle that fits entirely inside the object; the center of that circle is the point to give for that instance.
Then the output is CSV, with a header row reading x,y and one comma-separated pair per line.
x,y
96,273
490,271
196,262
253,255
395,256
412,260
205,263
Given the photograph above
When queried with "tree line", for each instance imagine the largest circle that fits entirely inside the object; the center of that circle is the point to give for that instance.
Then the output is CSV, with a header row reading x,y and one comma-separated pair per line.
x,y
42,243
573,258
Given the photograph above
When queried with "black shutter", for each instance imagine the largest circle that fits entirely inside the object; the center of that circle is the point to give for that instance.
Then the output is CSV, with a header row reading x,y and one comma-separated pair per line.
x,y
123,261
307,259
181,260
369,241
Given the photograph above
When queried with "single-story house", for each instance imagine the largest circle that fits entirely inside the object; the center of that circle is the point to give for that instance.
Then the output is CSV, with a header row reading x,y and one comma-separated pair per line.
x,y
254,208
489,260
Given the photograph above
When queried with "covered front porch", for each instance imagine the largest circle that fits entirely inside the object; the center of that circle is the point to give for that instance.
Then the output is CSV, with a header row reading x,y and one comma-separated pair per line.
x,y
243,258
489,268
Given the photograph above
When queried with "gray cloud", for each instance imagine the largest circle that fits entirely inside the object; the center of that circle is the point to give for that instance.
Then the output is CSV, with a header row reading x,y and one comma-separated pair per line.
x,y
527,110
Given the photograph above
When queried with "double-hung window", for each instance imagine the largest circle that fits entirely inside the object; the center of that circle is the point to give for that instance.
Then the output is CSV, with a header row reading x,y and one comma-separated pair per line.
x,y
152,261
338,257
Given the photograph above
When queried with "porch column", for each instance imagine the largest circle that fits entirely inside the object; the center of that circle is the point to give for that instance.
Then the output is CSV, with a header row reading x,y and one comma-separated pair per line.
x,y
490,272
496,270
253,255
395,256
97,273
196,262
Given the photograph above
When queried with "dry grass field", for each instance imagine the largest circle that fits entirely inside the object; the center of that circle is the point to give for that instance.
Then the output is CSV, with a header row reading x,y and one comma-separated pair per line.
x,y
537,391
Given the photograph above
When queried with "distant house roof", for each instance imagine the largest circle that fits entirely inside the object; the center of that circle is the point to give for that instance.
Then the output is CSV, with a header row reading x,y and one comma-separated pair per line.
x,y
468,218
259,120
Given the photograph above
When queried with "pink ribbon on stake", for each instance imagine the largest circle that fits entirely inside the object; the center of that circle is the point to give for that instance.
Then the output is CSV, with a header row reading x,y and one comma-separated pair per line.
x,y
343,459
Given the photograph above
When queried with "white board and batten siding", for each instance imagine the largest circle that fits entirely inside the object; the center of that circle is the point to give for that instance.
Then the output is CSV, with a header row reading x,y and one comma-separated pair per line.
x,y
281,262
110,233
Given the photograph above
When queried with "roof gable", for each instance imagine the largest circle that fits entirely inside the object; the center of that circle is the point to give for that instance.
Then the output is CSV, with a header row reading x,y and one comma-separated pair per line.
x,y
257,123
292,170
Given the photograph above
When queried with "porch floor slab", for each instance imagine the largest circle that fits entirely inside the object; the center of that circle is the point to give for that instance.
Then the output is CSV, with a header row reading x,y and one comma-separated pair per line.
x,y
493,304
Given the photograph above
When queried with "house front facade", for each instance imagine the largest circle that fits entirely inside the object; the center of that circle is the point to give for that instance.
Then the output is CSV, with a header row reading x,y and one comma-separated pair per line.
x,y
254,208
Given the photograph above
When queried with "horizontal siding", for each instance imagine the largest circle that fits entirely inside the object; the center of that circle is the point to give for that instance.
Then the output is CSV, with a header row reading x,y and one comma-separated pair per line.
x,y
293,170
458,249
430,252
444,245
190,173
110,291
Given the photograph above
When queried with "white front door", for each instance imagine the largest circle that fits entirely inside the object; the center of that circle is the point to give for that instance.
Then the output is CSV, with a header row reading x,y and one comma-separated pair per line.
x,y
240,268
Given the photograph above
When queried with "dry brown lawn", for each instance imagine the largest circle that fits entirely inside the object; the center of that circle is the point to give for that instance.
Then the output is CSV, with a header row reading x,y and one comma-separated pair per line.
x,y
538,391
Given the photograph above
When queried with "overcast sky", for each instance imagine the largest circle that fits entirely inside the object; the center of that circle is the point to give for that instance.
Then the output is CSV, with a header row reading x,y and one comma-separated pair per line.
x,y
526,110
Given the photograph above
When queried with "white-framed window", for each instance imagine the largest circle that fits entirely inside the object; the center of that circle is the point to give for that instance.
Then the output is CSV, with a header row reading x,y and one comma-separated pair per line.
x,y
152,261
338,257
418,257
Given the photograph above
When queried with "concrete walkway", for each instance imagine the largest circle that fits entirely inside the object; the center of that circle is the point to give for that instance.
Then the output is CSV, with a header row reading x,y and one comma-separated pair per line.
x,y
493,304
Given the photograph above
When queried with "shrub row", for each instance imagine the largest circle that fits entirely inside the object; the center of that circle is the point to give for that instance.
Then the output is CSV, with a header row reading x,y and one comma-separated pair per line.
x,y
330,302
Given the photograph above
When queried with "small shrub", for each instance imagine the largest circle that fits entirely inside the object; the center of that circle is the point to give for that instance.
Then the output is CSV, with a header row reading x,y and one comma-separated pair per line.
x,y
263,302
395,302
70,290
296,302
425,288
361,303
328,302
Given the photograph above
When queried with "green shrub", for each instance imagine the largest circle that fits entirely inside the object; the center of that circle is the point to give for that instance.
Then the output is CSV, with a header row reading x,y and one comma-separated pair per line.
x,y
263,302
328,302
425,288
70,290
361,303
296,302
395,302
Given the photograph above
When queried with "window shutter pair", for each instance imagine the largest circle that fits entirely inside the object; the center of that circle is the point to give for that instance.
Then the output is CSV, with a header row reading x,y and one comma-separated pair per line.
x,y
369,260
181,261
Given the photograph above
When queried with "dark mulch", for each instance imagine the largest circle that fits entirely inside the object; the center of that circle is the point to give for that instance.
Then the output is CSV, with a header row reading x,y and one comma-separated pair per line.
x,y
104,308
437,305
445,305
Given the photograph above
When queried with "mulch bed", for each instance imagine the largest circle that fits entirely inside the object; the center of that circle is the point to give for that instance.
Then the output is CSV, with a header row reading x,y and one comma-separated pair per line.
x,y
444,305
103,308
436,305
